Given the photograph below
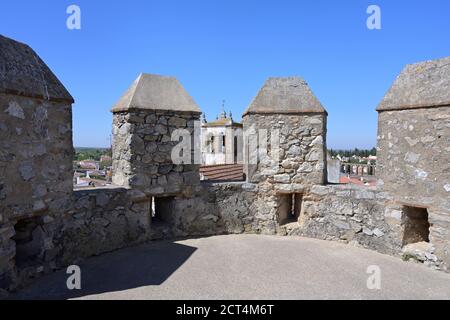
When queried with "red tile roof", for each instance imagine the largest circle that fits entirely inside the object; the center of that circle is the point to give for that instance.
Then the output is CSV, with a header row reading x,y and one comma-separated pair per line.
x,y
225,172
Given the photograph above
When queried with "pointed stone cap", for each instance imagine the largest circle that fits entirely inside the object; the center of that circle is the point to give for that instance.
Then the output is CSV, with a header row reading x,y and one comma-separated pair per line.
x,y
285,95
154,92
23,73
421,85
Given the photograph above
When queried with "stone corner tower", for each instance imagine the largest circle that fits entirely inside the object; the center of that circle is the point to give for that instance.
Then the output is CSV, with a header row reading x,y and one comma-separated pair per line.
x,y
414,133
288,108
413,154
143,122
36,155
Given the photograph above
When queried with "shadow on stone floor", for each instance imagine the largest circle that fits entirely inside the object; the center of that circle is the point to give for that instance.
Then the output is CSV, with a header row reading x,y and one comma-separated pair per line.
x,y
129,268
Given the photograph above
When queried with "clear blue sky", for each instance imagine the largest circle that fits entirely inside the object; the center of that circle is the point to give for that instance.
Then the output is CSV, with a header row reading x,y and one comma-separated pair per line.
x,y
223,49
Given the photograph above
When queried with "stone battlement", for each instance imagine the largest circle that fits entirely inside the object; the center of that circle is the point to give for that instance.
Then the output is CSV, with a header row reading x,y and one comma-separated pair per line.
x,y
45,225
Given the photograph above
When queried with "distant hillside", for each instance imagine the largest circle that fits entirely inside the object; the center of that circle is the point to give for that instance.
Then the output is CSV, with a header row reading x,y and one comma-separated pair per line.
x,y
82,153
88,149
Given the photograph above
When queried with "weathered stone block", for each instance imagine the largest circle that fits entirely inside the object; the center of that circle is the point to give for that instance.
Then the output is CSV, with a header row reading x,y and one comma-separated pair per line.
x,y
282,178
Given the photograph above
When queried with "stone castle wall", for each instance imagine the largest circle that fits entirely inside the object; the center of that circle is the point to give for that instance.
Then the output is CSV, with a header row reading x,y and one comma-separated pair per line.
x,y
300,163
353,214
414,166
36,175
96,221
302,148
142,150
414,162
414,155
357,215
102,220
216,208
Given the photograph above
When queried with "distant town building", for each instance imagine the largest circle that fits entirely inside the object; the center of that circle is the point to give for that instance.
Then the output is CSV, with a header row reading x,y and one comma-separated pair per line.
x,y
105,159
89,164
221,140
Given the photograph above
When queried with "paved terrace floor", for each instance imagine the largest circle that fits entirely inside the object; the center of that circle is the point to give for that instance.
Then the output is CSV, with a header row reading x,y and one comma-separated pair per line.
x,y
244,267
